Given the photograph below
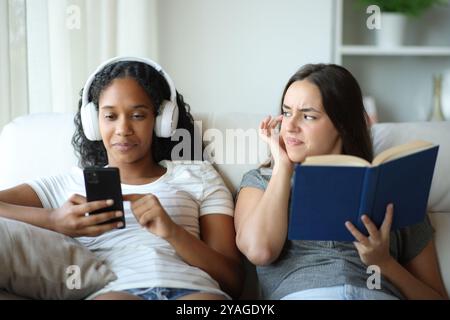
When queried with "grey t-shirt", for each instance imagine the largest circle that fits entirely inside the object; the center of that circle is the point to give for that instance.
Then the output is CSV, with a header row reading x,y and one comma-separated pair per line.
x,y
316,264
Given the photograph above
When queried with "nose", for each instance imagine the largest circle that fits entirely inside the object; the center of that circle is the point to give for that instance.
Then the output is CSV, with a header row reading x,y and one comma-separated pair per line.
x,y
292,123
124,127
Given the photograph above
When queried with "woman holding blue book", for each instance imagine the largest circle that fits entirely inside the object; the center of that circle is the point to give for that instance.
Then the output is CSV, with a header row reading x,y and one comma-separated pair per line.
x,y
322,113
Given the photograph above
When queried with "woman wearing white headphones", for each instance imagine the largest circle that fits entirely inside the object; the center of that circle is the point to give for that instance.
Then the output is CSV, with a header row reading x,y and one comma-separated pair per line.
x,y
179,237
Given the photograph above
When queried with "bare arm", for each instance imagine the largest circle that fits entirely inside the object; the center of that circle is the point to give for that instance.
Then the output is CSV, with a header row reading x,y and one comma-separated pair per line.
x,y
420,278
261,218
217,254
22,203
21,195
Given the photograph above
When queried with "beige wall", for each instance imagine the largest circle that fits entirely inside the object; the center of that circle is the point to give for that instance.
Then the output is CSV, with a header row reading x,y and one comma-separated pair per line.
x,y
224,55
236,56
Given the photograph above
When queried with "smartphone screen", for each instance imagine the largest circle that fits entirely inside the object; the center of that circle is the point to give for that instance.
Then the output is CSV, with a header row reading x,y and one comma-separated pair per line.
x,y
104,184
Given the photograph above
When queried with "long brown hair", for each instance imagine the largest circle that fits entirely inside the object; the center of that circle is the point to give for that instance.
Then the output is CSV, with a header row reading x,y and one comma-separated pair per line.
x,y
343,103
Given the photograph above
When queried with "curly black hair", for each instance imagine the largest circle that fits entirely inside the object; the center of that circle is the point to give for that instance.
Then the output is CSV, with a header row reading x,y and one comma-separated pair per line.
x,y
93,153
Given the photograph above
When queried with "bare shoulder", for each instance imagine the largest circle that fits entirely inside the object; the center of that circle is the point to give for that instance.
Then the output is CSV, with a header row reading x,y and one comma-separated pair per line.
x,y
22,195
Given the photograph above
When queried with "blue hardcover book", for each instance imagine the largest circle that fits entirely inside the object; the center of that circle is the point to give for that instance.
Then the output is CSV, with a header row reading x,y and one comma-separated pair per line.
x,y
332,189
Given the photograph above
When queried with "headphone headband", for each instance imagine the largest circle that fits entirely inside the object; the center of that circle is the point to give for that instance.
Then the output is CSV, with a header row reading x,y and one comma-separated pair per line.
x,y
157,67
165,122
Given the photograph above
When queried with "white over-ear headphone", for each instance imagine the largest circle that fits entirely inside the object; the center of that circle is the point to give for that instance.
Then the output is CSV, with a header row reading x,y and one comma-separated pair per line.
x,y
166,121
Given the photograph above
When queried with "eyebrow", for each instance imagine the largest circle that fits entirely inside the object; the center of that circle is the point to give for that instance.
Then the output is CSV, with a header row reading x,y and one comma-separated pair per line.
x,y
140,106
308,109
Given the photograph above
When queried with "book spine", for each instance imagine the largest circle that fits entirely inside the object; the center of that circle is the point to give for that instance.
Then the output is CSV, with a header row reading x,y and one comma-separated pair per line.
x,y
367,197
292,221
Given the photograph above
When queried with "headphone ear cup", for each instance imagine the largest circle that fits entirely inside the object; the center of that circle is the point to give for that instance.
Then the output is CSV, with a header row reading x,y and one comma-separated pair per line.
x,y
167,120
89,120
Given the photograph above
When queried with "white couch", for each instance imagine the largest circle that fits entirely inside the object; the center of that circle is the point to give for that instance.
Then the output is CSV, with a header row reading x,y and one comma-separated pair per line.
x,y
39,144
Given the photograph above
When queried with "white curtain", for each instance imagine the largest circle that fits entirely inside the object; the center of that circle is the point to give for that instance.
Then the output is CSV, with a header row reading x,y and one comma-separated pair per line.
x,y
13,69
49,47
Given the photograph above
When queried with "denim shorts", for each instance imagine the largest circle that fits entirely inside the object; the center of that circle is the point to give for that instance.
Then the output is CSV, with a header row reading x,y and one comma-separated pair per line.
x,y
160,293
343,292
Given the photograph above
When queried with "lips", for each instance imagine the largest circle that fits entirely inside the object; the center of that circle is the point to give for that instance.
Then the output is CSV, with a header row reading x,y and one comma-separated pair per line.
x,y
124,146
291,141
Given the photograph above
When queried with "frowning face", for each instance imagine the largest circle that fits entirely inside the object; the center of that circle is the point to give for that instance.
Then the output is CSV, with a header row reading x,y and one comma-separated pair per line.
x,y
306,129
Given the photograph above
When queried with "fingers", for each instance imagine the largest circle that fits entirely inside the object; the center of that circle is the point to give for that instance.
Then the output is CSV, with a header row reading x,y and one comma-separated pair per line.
x,y
97,230
356,233
99,218
147,201
269,124
93,206
370,226
387,222
264,122
141,206
146,209
141,202
146,218
273,123
263,127
77,199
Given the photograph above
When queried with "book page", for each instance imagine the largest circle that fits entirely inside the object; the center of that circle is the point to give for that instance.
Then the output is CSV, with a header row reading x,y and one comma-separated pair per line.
x,y
400,151
336,160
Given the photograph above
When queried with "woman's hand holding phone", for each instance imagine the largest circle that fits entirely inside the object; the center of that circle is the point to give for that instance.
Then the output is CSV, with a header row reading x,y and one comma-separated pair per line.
x,y
71,218
150,214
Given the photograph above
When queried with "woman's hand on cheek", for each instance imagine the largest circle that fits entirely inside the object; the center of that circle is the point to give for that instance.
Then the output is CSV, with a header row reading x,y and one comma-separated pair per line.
x,y
269,134
373,250
151,215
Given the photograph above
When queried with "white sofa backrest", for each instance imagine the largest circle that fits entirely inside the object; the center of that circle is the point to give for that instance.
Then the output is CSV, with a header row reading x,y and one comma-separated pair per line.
x,y
235,136
36,145
40,144
386,135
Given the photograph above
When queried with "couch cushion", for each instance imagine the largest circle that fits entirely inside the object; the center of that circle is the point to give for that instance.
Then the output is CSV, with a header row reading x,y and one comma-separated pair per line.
x,y
10,296
386,135
36,145
40,264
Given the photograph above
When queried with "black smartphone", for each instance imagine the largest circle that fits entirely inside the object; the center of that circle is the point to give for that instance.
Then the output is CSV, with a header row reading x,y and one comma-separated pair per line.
x,y
104,184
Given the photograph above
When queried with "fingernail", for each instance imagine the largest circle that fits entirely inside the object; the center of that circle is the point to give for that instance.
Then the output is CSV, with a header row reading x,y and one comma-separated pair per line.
x,y
119,213
110,202
120,225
